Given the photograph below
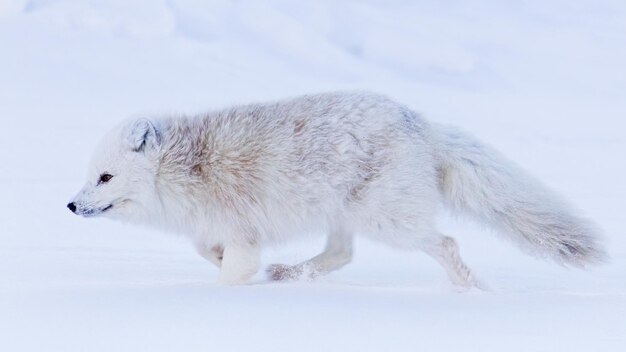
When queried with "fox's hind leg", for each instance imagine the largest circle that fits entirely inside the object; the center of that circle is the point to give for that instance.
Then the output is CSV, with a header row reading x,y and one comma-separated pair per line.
x,y
445,251
338,252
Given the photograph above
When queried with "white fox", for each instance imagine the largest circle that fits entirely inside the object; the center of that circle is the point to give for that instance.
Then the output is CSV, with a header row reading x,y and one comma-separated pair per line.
x,y
345,163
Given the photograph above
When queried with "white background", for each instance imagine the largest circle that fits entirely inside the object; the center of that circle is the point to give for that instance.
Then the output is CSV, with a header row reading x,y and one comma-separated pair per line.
x,y
542,81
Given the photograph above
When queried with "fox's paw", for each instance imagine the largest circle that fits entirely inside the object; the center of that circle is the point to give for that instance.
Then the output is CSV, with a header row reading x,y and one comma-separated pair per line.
x,y
472,284
282,272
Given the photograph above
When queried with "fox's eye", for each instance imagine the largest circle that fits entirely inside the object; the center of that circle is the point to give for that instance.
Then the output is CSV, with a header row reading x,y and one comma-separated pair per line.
x,y
104,178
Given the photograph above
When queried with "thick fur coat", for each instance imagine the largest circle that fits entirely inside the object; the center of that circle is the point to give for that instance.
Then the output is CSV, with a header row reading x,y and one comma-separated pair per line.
x,y
343,163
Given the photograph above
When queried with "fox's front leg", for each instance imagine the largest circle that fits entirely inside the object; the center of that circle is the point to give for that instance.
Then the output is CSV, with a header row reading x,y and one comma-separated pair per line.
x,y
239,263
212,253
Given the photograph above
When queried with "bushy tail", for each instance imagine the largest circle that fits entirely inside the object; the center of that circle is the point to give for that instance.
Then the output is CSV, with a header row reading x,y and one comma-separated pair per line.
x,y
476,179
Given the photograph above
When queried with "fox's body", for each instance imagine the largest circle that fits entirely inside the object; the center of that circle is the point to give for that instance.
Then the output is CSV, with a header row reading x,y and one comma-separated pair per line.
x,y
345,163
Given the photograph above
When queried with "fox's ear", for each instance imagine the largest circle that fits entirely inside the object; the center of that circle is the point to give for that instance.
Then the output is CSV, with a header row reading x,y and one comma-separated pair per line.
x,y
144,135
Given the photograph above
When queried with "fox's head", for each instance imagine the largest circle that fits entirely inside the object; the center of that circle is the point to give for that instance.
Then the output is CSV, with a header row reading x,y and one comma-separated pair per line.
x,y
121,177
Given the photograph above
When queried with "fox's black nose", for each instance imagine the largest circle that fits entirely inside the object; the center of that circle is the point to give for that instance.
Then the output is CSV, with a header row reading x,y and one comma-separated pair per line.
x,y
72,207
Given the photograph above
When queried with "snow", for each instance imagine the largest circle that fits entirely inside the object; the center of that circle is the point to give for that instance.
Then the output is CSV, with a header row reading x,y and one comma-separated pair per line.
x,y
542,81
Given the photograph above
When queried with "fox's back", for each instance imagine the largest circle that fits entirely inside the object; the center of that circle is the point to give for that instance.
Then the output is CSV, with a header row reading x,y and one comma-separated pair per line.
x,y
302,158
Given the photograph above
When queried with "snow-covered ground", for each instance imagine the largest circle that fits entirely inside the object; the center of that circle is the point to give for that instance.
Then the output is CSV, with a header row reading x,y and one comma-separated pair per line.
x,y
543,81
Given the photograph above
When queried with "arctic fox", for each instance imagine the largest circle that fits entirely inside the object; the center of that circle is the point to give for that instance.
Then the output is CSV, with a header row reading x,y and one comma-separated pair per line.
x,y
344,163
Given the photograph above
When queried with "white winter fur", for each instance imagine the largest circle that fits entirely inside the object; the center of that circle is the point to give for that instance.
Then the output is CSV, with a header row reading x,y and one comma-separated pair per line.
x,y
344,163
